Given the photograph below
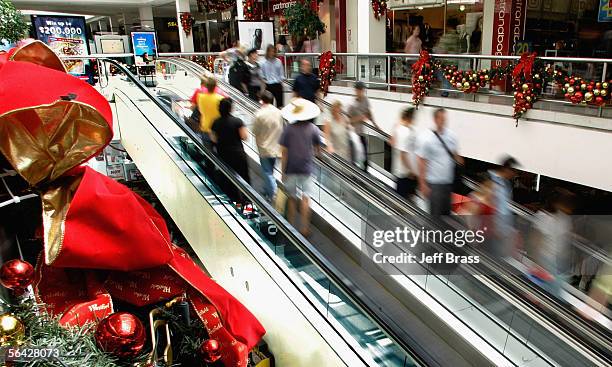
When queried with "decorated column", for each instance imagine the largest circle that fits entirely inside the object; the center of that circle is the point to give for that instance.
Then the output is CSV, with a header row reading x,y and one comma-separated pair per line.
x,y
146,17
370,39
183,19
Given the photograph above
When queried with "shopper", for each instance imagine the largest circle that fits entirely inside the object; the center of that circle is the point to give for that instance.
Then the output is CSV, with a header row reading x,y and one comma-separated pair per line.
x,y
299,142
208,105
256,82
502,194
437,157
228,132
414,43
239,72
306,85
337,130
273,73
360,114
267,128
203,89
450,42
403,164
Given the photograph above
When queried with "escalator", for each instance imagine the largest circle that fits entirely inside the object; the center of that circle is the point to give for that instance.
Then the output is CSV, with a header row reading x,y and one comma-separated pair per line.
x,y
541,336
338,309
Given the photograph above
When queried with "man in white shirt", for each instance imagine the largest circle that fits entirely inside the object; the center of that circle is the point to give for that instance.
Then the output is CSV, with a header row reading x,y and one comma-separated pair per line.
x,y
437,157
267,128
403,165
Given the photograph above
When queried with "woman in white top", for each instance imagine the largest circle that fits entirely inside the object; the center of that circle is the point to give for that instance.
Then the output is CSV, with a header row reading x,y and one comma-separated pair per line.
x,y
414,43
336,131
403,166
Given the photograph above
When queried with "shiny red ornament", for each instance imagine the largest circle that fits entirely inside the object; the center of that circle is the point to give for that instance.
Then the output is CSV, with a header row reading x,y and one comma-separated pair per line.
x,y
599,100
16,274
210,350
121,334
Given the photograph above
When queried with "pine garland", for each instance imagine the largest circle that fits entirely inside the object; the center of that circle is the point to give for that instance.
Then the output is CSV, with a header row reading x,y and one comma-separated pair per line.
x,y
76,345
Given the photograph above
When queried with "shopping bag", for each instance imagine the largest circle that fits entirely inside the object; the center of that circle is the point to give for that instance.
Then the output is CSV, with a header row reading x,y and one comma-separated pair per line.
x,y
280,203
357,149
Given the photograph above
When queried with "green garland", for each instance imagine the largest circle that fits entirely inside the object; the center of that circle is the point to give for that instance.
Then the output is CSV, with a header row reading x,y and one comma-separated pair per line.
x,y
77,346
13,26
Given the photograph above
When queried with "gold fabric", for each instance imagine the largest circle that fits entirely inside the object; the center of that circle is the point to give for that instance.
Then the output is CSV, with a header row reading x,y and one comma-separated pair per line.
x,y
44,142
56,202
40,54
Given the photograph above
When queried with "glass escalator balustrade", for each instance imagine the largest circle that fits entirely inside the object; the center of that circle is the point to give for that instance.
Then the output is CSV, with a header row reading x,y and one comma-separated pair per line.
x,y
331,300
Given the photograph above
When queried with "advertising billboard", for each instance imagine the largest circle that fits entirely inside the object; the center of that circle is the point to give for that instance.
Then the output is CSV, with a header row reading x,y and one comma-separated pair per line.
x,y
66,36
605,11
144,45
257,35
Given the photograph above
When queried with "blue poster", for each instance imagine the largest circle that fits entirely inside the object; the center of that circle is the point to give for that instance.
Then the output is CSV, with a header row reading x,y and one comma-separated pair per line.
x,y
144,45
605,11
65,36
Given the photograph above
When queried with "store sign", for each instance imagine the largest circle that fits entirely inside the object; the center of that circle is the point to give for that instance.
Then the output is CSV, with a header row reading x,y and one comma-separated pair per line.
x,y
65,36
508,27
605,11
226,15
282,5
172,24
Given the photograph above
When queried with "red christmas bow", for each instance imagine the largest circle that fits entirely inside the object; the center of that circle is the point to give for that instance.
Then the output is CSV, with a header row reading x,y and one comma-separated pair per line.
x,y
424,59
525,66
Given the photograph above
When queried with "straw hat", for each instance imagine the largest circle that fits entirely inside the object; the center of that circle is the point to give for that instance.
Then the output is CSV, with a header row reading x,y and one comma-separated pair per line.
x,y
300,109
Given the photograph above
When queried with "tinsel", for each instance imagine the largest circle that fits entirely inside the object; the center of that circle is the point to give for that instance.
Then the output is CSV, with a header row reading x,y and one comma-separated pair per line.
x,y
422,76
379,8
327,70
214,5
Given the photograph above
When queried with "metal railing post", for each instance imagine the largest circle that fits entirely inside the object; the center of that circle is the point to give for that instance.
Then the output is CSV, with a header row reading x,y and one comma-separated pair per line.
x,y
388,73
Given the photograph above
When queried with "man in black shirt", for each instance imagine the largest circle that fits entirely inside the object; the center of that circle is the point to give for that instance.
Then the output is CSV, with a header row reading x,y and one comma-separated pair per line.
x,y
306,84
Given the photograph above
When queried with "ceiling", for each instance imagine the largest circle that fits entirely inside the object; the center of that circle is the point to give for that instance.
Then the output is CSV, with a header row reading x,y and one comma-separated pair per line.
x,y
100,7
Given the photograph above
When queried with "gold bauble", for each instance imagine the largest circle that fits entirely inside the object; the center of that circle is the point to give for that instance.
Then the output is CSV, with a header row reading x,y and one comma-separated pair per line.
x,y
525,87
528,98
12,330
570,90
583,86
604,85
463,80
466,85
603,92
421,78
459,85
588,96
567,85
537,76
474,76
487,77
596,92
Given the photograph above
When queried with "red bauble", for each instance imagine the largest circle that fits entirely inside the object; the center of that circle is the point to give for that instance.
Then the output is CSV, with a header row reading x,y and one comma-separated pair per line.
x,y
599,100
211,351
121,334
16,274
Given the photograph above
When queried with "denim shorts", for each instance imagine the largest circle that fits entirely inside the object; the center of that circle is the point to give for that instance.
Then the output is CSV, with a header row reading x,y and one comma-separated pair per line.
x,y
294,182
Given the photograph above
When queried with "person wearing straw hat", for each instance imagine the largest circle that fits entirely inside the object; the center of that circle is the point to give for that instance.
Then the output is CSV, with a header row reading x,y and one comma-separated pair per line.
x,y
300,142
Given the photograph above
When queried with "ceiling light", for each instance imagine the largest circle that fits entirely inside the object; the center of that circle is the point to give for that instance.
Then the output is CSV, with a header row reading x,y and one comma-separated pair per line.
x,y
461,7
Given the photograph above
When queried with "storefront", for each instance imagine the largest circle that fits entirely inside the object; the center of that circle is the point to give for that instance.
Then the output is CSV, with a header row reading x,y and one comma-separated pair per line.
x,y
434,18
569,28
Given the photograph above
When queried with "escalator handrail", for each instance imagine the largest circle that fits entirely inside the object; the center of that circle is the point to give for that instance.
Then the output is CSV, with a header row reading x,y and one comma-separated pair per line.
x,y
508,279
326,266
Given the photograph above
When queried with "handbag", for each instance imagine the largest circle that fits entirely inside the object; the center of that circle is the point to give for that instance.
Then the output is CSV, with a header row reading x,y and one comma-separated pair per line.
x,y
458,186
194,120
